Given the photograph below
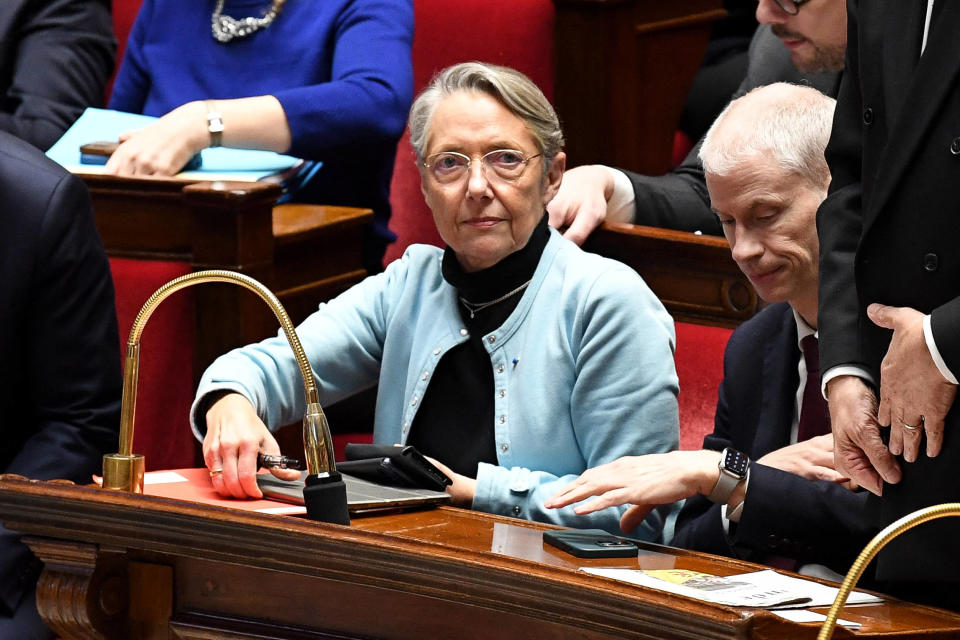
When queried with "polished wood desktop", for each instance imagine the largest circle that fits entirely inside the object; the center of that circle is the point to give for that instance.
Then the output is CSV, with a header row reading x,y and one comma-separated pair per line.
x,y
120,565
304,253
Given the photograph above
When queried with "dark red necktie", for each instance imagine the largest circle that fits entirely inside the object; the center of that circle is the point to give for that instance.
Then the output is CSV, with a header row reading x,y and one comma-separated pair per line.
x,y
814,415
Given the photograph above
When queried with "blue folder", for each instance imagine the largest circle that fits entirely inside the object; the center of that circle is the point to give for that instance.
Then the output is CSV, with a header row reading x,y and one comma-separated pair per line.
x,y
217,163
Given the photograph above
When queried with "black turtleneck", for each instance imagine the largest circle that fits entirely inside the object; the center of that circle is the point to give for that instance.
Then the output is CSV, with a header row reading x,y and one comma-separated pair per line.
x,y
455,421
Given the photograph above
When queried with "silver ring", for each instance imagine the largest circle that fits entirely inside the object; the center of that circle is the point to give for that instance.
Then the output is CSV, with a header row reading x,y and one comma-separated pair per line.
x,y
909,427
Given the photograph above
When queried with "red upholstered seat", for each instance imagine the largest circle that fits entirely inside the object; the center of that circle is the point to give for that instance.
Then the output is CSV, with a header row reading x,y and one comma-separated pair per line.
x,y
699,359
124,13
506,32
162,431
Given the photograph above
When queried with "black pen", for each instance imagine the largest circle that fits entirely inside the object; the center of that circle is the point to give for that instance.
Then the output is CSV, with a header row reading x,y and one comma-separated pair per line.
x,y
277,462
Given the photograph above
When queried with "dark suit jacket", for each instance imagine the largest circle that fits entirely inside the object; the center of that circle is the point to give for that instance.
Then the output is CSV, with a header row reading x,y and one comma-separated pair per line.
x,y
59,352
55,59
888,233
679,199
784,514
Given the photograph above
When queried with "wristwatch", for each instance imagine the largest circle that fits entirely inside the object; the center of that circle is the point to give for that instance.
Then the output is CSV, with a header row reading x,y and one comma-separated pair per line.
x,y
733,470
214,125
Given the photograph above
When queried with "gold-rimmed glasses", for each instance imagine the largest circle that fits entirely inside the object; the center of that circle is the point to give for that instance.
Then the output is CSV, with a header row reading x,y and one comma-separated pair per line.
x,y
504,165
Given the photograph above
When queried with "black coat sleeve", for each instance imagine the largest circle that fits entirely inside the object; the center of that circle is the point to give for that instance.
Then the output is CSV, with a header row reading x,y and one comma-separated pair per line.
x,y
677,200
56,58
70,411
839,222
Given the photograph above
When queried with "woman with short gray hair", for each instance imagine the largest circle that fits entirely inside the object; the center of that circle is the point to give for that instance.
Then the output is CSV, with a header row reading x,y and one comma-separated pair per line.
x,y
512,357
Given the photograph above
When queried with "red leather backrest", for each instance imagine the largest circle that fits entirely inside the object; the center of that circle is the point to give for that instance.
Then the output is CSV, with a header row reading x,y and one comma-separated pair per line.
x,y
513,33
124,13
699,359
165,391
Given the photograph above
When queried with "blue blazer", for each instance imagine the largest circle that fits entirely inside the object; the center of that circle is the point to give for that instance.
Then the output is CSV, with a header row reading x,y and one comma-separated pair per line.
x,y
60,355
784,514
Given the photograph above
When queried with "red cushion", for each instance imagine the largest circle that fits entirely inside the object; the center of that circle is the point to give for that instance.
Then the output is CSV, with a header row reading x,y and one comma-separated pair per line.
x,y
505,32
699,359
124,13
682,146
165,388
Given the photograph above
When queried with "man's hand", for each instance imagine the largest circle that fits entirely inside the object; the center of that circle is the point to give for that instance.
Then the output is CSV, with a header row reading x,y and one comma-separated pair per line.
x,y
463,488
235,435
859,453
644,482
164,147
811,459
581,203
912,390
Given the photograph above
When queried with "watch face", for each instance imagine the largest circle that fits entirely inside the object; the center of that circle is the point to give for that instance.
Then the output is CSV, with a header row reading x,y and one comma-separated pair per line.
x,y
736,462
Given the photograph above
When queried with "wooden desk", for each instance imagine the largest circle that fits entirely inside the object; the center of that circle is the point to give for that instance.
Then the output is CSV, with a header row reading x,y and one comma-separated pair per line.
x,y
623,70
127,566
694,275
305,254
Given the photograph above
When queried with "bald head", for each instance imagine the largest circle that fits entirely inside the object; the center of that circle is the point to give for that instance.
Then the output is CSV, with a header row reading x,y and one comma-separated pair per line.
x,y
783,124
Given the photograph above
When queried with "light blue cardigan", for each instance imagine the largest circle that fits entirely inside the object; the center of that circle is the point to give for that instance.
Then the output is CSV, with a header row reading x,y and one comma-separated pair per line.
x,y
583,371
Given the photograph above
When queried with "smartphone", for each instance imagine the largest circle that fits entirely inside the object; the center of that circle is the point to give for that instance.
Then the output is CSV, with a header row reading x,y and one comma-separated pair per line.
x,y
404,461
99,152
590,543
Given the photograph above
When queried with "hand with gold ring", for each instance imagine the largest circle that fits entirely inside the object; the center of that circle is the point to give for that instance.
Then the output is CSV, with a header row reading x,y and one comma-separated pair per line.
x,y
914,395
910,427
235,435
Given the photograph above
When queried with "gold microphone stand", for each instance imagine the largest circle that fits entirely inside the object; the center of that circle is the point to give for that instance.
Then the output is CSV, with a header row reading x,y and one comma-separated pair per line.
x,y
324,493
873,547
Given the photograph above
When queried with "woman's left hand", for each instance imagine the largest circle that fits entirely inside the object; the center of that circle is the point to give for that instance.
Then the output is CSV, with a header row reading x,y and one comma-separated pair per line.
x,y
164,147
462,489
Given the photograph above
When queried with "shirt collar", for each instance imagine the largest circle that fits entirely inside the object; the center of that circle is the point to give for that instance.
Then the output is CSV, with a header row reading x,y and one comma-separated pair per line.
x,y
803,329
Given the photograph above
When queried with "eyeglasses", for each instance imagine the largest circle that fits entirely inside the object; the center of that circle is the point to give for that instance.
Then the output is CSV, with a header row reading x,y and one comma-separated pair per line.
x,y
505,165
790,7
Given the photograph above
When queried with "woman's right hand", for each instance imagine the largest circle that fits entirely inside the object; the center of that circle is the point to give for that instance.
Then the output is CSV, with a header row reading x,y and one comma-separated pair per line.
x,y
235,435
163,147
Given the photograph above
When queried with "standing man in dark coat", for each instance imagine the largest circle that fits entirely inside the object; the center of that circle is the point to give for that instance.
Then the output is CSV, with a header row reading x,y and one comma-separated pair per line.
x,y
890,279
59,350
55,59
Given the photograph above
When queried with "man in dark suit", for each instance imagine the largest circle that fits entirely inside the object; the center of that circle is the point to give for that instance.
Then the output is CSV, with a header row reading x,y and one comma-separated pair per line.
x,y
59,352
55,59
766,177
801,44
889,262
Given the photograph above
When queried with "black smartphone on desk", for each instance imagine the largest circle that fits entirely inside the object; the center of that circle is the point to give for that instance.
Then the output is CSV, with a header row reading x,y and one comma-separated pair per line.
x,y
590,543
395,465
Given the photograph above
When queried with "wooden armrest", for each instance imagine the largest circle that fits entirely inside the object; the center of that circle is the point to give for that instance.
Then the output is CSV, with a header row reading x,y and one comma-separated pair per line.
x,y
295,222
694,275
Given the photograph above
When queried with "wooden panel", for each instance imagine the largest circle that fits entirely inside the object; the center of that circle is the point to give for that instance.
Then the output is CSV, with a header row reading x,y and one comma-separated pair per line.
x,y
445,572
304,253
623,70
694,275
